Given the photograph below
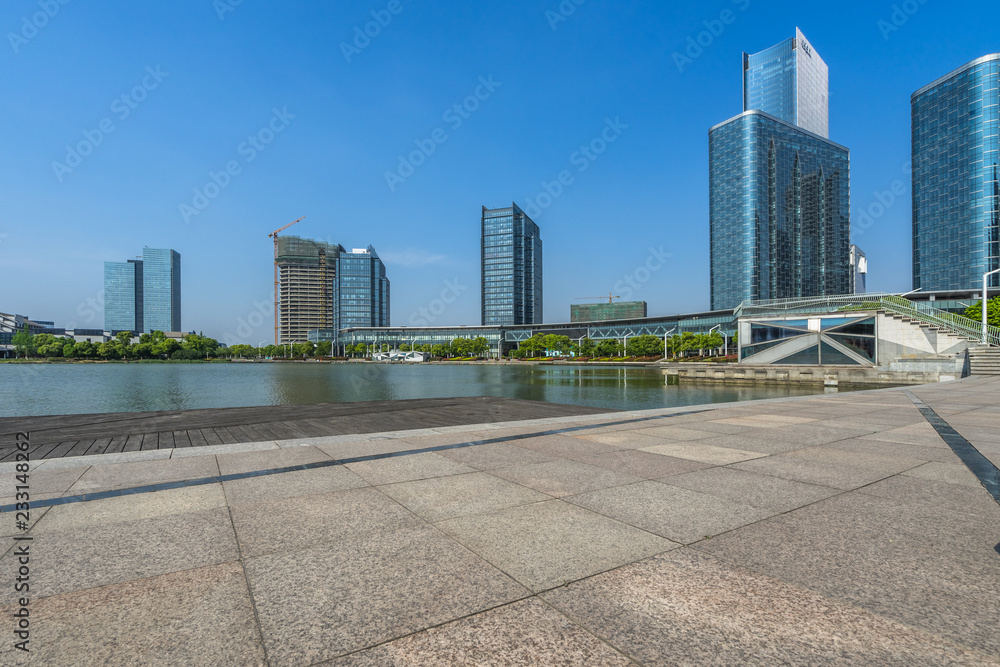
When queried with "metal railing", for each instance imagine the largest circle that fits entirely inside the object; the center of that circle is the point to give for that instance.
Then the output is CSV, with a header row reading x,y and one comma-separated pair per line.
x,y
958,325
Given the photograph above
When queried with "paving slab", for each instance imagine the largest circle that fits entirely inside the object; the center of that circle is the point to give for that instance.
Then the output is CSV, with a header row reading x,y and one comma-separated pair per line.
x,y
88,557
142,473
704,453
107,512
200,616
928,568
291,524
528,632
687,608
951,473
563,477
688,431
496,455
570,447
772,493
813,471
548,544
270,458
407,468
453,496
327,601
291,484
644,465
55,482
678,514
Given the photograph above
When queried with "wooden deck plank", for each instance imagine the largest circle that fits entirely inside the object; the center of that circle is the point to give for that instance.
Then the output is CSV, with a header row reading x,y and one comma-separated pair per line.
x,y
227,437
196,438
210,436
181,439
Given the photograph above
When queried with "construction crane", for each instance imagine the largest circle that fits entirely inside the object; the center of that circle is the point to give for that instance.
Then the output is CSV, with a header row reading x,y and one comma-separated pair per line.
x,y
274,235
611,297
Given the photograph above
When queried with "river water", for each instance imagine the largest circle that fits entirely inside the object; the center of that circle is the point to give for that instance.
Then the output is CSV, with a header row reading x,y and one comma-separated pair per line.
x,y
48,389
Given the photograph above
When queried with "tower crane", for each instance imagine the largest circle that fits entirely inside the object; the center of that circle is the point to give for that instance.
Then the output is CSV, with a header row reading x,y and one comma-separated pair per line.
x,y
611,297
274,235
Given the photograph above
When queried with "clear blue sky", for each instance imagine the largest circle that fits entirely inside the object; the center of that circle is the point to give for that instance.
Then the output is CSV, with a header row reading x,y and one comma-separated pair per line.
x,y
219,81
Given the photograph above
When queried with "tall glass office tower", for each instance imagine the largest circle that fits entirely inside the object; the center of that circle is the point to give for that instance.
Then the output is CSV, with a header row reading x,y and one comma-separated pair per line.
x,y
779,190
123,296
511,252
143,295
161,290
362,290
791,82
779,205
956,178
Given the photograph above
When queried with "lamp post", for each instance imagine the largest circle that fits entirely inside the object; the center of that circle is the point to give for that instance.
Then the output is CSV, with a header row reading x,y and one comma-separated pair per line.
x,y
985,299
665,334
260,346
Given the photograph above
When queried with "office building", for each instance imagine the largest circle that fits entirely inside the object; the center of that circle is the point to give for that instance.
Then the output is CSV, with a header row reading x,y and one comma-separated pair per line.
x,y
323,286
123,296
779,193
143,295
362,290
161,290
601,312
511,277
791,82
859,270
956,178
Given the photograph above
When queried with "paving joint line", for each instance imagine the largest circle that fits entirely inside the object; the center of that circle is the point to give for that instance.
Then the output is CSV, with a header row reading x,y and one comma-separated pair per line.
x,y
980,466
164,486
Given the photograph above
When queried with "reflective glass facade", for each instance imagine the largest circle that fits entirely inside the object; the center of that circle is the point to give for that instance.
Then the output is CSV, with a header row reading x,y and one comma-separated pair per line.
x,y
511,277
791,82
123,304
956,178
362,290
779,208
161,290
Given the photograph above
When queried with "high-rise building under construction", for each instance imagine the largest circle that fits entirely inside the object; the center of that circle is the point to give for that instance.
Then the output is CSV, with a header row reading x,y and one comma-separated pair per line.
x,y
314,295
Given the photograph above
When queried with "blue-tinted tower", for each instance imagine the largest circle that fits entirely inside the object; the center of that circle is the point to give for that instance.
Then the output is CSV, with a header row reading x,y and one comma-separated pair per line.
x,y
161,290
956,178
123,303
511,277
791,82
362,290
779,189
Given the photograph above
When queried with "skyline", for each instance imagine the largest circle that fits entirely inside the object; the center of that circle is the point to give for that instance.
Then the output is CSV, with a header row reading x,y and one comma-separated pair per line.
x,y
267,107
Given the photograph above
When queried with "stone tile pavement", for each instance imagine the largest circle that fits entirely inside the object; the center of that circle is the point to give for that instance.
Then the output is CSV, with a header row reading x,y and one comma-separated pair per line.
x,y
838,529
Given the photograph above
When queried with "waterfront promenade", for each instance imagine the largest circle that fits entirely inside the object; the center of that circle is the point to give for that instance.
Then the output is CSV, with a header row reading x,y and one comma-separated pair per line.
x,y
839,529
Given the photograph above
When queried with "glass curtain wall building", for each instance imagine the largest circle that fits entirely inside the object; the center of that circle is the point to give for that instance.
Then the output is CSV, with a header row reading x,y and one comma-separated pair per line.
x,y
779,208
956,178
362,290
161,290
123,296
791,82
511,277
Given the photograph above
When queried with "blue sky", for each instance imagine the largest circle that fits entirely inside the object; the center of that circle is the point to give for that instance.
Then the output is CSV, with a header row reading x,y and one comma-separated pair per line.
x,y
183,87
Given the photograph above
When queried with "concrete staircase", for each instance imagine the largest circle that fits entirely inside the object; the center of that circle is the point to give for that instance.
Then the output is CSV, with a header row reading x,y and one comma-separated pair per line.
x,y
984,360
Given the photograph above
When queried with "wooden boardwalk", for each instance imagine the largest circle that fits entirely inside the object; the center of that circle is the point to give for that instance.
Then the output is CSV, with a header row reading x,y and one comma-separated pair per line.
x,y
84,435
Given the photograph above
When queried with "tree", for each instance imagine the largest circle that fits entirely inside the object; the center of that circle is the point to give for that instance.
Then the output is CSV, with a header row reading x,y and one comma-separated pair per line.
x,y
206,347
535,344
324,348
608,348
587,348
480,346
645,346
23,342
975,312
439,351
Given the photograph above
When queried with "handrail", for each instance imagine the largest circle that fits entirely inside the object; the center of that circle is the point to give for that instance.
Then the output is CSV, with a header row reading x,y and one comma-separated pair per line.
x,y
890,303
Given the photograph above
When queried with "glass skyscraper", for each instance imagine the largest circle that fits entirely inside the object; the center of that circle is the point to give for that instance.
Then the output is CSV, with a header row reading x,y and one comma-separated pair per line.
x,y
779,208
123,296
779,190
362,290
161,290
143,295
956,178
511,252
791,82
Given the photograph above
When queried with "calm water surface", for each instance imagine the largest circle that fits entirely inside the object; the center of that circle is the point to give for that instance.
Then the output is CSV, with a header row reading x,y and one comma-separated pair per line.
x,y
47,389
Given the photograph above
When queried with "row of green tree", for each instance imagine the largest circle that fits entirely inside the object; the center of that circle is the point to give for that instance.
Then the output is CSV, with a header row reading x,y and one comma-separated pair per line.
x,y
636,346
458,347
975,312
153,345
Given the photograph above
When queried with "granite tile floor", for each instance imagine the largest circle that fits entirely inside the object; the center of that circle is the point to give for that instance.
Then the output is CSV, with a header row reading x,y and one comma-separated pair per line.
x,y
838,529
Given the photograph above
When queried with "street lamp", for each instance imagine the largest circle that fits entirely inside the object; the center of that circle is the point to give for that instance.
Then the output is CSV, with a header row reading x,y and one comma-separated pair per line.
x,y
985,295
665,334
725,338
